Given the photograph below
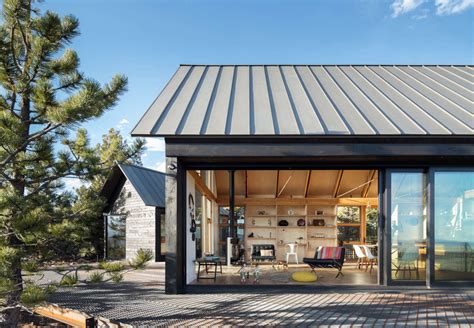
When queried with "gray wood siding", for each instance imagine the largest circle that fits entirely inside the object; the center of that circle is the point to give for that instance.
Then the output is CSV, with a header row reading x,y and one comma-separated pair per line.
x,y
140,220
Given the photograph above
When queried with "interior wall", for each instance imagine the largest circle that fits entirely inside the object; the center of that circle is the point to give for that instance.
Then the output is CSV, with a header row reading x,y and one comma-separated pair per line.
x,y
190,243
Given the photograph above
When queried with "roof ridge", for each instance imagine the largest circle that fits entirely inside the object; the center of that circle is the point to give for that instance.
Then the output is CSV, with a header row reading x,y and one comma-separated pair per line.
x,y
141,167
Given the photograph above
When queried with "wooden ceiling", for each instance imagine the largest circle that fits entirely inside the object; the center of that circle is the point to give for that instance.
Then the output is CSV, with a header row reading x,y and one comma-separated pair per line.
x,y
299,183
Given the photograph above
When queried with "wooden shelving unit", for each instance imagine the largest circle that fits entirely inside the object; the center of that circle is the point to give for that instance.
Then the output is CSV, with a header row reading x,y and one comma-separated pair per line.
x,y
262,221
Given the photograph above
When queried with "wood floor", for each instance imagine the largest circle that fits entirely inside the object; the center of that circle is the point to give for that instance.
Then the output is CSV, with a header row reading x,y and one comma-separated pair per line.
x,y
279,276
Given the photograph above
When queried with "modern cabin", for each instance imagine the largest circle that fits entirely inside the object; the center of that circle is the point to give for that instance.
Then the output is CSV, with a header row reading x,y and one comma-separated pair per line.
x,y
273,170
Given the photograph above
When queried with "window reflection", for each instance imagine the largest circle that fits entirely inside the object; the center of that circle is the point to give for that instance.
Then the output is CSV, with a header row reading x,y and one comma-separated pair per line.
x,y
454,225
408,226
115,236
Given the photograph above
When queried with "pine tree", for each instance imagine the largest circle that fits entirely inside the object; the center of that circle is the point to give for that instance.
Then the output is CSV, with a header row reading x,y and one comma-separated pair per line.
x,y
87,207
43,95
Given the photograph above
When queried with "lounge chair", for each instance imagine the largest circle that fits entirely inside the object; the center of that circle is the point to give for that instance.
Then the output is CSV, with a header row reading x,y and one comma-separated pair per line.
x,y
327,257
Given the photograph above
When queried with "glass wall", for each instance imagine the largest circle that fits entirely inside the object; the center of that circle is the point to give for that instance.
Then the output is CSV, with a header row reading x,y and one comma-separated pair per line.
x,y
408,225
454,225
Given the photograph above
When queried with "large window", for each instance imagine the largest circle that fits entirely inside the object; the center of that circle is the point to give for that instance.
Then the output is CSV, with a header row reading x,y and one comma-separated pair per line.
x,y
408,225
348,224
454,225
115,236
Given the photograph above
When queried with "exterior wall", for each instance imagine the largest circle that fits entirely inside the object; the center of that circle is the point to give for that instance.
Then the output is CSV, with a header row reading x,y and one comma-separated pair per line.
x,y
140,220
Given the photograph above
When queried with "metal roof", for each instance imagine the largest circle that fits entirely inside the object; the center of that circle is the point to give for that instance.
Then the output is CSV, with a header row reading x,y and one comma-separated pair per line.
x,y
149,184
267,100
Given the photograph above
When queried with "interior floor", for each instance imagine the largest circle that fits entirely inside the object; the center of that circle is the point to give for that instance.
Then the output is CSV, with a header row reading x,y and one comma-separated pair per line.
x,y
280,276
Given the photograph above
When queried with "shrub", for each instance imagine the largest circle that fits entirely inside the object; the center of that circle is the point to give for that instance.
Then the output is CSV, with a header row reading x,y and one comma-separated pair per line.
x,y
116,277
112,266
96,277
33,294
142,257
30,266
69,280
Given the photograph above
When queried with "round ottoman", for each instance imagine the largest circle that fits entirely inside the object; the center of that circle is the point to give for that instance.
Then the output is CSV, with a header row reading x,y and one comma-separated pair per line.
x,y
304,276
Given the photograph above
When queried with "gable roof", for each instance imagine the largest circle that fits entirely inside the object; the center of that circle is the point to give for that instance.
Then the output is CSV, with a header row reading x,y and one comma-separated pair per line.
x,y
268,100
149,184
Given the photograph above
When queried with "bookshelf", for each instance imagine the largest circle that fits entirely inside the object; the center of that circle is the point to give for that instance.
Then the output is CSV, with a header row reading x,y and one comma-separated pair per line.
x,y
310,226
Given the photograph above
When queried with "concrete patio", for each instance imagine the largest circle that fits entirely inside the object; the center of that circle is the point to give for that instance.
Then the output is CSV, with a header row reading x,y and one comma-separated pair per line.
x,y
140,301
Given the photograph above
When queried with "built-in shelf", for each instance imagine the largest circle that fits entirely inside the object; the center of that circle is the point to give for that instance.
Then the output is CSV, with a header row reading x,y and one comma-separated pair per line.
x,y
322,238
291,233
322,216
260,238
260,216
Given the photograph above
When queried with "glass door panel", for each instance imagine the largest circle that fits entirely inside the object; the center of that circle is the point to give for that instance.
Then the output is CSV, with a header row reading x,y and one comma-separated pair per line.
x,y
454,225
408,225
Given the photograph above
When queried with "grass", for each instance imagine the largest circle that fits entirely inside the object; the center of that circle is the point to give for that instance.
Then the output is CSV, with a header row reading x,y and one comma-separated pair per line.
x,y
69,280
95,277
30,266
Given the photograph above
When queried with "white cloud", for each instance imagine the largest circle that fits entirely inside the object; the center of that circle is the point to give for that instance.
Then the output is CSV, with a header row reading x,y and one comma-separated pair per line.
x,y
449,7
161,166
123,122
443,7
155,144
403,6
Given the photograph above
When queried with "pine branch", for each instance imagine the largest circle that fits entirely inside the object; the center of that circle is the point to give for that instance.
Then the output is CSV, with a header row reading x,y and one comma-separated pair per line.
x,y
50,127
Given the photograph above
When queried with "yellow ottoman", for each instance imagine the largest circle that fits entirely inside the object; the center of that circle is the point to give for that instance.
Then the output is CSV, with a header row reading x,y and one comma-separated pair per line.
x,y
304,276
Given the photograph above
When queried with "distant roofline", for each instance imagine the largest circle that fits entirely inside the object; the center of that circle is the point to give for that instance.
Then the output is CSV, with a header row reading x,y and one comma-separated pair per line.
x,y
141,167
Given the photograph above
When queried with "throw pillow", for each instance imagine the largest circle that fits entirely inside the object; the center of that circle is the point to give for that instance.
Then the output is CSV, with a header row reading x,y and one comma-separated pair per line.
x,y
266,252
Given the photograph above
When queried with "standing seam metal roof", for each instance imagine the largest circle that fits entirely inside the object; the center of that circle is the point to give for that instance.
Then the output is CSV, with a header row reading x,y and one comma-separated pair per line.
x,y
266,100
149,184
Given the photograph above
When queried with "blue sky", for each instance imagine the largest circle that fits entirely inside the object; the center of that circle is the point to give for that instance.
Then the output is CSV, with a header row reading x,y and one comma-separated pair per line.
x,y
147,39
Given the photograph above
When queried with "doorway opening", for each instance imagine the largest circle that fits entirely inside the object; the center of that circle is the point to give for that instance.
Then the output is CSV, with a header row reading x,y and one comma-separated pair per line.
x,y
281,221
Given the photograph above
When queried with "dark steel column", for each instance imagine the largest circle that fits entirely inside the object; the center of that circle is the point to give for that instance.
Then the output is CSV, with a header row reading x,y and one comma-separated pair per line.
x,y
382,221
231,205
